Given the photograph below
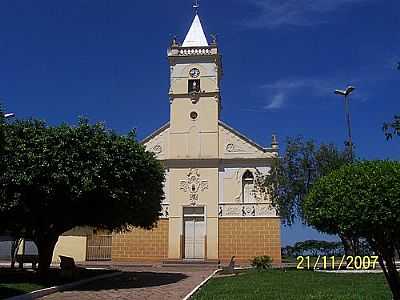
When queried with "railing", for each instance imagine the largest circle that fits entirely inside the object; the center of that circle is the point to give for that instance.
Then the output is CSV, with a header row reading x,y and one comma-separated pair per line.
x,y
195,51
190,51
99,247
246,210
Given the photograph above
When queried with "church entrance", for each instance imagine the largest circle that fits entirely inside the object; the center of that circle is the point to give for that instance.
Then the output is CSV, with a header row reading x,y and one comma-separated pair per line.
x,y
194,230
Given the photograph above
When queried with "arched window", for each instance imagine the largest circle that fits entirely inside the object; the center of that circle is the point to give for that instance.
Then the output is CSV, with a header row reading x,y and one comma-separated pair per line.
x,y
248,187
194,86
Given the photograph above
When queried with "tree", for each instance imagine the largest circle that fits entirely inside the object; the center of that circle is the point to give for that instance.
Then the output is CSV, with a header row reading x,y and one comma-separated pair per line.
x,y
58,178
295,172
363,198
392,129
16,241
2,125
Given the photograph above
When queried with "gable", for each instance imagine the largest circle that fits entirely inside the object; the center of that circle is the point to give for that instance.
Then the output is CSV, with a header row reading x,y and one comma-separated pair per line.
x,y
157,142
233,144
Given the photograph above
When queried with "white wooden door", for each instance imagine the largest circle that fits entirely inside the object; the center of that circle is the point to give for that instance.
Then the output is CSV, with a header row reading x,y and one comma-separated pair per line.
x,y
199,238
194,237
189,237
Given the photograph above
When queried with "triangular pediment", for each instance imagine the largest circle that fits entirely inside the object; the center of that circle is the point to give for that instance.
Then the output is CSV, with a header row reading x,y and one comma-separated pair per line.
x,y
157,142
234,144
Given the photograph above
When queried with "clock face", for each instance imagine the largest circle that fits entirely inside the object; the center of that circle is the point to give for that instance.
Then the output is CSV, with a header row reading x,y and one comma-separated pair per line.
x,y
194,73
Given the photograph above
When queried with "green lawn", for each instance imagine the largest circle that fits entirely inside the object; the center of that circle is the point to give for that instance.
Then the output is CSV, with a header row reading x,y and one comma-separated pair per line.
x,y
16,282
298,285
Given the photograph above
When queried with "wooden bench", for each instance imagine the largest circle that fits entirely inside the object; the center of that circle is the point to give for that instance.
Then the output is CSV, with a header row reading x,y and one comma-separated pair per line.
x,y
68,267
67,263
27,258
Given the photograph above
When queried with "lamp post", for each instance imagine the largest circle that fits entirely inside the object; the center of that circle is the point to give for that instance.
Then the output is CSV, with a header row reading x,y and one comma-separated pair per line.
x,y
9,115
346,93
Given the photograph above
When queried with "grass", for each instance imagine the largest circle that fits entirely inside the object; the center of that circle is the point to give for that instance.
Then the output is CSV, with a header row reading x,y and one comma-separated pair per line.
x,y
296,285
17,282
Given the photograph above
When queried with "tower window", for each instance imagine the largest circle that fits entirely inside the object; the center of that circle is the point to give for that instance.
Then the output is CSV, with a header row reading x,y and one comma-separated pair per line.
x,y
194,86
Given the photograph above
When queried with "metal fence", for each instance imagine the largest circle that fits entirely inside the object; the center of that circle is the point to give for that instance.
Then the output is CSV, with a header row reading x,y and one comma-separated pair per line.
x,y
99,247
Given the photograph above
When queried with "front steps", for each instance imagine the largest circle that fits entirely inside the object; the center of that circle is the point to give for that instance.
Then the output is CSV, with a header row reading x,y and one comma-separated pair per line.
x,y
209,263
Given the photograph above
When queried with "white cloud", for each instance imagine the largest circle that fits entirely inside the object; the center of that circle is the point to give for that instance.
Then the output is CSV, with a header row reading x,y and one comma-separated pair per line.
x,y
276,13
277,102
282,92
312,85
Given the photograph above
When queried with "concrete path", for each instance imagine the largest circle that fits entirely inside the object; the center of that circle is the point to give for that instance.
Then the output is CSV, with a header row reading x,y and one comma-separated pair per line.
x,y
150,283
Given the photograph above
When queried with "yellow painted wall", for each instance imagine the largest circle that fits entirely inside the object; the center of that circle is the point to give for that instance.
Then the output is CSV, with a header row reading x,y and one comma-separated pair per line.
x,y
194,138
72,246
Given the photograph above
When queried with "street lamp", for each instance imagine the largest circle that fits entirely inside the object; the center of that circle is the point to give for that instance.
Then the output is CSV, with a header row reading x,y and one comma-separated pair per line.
x,y
10,115
346,93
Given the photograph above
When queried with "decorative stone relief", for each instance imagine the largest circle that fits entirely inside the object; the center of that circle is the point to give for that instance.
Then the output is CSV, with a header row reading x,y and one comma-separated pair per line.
x,y
157,149
158,144
195,97
233,148
164,211
193,185
247,210
235,144
266,209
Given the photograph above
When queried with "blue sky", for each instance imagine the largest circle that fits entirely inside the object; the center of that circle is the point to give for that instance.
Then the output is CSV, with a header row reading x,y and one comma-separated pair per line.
x,y
282,61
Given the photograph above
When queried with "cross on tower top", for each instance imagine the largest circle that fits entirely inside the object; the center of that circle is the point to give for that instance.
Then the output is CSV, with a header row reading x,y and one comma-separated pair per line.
x,y
196,6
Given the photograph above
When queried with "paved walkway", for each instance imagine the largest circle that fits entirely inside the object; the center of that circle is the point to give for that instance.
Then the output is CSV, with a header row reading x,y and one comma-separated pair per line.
x,y
150,283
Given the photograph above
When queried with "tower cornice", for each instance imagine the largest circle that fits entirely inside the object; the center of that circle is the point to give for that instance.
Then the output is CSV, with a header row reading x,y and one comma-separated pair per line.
x,y
216,95
179,51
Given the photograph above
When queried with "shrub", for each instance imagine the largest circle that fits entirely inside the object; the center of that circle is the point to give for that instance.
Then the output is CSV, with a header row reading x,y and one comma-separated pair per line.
x,y
262,262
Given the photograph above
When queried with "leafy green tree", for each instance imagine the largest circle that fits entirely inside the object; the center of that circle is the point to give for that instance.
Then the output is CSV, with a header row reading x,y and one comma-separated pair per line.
x,y
15,242
314,248
287,252
2,125
58,178
392,129
363,198
295,172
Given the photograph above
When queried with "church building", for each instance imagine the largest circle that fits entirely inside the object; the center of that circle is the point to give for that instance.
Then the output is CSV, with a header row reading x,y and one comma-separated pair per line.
x,y
214,206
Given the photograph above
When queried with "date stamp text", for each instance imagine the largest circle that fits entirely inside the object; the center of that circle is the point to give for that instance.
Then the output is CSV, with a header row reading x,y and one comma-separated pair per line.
x,y
337,263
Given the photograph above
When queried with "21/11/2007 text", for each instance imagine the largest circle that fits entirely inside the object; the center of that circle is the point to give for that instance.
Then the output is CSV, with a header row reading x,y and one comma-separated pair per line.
x,y
335,263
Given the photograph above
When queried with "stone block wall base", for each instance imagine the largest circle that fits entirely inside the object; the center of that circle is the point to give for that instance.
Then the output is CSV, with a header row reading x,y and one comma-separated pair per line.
x,y
139,244
247,238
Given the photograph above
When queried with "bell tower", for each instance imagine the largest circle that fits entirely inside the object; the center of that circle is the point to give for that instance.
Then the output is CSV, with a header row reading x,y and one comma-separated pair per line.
x,y
195,75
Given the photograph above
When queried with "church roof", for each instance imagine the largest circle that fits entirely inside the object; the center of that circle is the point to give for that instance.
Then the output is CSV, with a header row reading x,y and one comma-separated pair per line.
x,y
195,37
155,133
